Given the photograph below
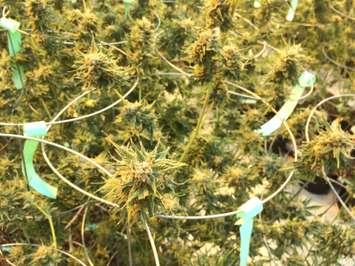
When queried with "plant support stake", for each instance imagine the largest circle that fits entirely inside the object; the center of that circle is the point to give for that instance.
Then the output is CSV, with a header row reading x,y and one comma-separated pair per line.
x,y
292,10
36,130
14,42
246,214
307,79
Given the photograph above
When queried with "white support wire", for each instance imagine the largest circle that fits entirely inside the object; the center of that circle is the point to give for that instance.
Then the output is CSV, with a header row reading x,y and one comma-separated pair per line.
x,y
241,95
37,245
101,110
83,116
337,195
56,171
173,66
318,105
101,168
327,179
106,172
151,240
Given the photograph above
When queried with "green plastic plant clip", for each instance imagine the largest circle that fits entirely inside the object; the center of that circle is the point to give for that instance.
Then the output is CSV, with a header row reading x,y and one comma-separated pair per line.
x,y
17,76
292,10
127,7
36,130
9,24
307,79
14,42
257,3
246,214
14,37
90,227
5,248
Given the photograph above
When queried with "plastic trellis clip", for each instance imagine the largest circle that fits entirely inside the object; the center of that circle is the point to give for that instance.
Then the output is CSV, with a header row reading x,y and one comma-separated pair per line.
x,y
36,130
14,42
307,79
257,3
246,214
5,248
292,10
90,227
127,7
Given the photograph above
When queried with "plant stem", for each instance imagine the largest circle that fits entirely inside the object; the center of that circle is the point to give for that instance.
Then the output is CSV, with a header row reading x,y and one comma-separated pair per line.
x,y
51,225
197,129
130,259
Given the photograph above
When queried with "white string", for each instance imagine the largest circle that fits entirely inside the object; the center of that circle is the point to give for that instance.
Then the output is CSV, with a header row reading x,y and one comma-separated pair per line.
x,y
151,240
55,170
66,107
202,217
83,116
173,66
307,94
319,104
241,95
72,185
101,110
36,245
308,140
336,194
106,172
341,13
280,188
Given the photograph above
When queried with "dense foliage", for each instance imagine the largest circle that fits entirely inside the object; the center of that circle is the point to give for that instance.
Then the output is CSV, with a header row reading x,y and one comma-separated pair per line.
x,y
180,143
